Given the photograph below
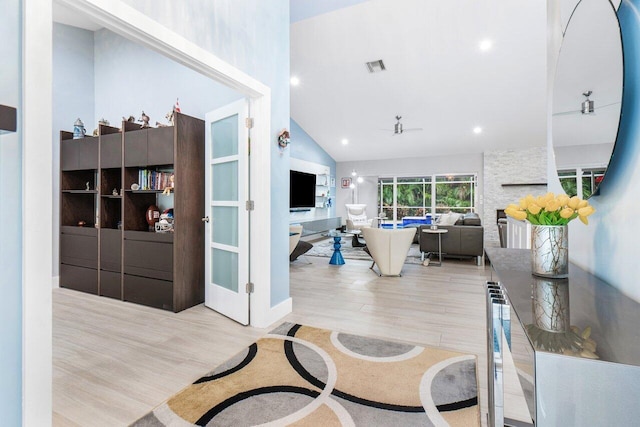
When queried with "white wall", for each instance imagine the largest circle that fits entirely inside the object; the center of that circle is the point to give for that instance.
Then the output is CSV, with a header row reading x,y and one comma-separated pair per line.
x,y
371,170
510,167
584,156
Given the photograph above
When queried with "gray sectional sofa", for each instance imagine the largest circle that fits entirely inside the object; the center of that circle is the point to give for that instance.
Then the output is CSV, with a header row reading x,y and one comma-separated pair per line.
x,y
464,239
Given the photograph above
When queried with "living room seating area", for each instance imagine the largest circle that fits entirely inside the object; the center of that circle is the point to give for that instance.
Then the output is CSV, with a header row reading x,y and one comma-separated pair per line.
x,y
464,237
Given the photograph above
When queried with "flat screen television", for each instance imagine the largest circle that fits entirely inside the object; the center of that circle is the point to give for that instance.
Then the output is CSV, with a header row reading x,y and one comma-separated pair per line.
x,y
302,190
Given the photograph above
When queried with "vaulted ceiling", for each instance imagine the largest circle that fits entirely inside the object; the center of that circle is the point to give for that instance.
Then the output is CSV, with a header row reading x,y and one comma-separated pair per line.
x,y
437,77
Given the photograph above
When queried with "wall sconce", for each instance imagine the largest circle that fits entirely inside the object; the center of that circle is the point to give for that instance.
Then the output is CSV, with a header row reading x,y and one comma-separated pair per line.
x,y
7,119
587,106
283,139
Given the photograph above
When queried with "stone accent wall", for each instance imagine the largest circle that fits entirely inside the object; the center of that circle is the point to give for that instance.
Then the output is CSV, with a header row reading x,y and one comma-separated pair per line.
x,y
510,167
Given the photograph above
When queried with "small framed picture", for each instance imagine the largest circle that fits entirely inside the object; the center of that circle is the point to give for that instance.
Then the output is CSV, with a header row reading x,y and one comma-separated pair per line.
x,y
332,182
346,183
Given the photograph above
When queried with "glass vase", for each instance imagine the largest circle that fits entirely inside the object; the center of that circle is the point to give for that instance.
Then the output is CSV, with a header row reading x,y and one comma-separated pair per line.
x,y
550,251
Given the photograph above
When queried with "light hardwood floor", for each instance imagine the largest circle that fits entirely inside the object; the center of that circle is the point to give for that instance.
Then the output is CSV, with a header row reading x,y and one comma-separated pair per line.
x,y
114,361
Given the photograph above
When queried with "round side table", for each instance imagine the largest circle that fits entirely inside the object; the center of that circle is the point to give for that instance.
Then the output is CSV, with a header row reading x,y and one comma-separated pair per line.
x,y
439,232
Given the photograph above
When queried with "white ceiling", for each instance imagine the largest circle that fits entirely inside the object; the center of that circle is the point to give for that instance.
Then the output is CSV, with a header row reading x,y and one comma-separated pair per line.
x,y
436,79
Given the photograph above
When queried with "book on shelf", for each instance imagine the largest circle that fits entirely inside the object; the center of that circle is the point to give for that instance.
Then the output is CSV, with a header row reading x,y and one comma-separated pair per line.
x,y
149,179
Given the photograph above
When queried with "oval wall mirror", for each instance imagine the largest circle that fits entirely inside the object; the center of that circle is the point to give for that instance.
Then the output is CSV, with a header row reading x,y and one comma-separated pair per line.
x,y
587,96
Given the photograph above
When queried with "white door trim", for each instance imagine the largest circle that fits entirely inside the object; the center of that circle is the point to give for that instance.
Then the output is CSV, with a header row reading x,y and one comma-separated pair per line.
x,y
37,202
37,122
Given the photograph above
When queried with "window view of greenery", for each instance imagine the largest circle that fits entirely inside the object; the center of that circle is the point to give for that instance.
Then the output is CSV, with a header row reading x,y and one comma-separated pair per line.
x,y
590,178
416,196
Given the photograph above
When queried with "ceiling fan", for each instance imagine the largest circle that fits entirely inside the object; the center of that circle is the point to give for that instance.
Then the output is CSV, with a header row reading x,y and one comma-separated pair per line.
x,y
398,129
587,106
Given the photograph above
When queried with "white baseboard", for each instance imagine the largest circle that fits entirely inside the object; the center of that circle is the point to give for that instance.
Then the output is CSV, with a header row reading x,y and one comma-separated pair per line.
x,y
275,314
55,282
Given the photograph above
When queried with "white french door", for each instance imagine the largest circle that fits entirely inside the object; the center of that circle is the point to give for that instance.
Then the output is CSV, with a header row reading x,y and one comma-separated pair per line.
x,y
227,232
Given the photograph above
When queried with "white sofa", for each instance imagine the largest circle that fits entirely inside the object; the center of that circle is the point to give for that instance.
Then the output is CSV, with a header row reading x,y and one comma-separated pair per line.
x,y
388,248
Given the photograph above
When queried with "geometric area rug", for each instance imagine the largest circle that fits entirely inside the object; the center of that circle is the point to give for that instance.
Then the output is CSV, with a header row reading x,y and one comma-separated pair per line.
x,y
302,376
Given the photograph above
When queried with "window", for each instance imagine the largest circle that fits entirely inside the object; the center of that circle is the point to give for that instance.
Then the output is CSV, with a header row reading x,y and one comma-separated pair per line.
x,y
419,196
589,180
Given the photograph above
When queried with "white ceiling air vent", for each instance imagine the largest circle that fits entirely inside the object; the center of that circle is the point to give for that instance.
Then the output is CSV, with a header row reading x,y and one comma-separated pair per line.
x,y
376,66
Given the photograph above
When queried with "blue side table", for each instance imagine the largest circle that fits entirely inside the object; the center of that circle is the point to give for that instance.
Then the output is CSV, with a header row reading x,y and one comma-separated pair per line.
x,y
336,258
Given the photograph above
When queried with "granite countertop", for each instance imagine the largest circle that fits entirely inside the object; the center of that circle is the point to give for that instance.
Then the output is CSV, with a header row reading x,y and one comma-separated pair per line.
x,y
546,309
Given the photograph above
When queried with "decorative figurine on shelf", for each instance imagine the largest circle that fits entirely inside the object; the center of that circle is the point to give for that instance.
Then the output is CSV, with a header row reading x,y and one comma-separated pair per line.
x,y
114,192
78,129
152,216
145,120
168,188
171,115
87,186
284,138
103,122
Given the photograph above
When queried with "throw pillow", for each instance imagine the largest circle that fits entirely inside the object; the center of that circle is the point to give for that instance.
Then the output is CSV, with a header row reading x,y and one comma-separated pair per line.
x,y
449,218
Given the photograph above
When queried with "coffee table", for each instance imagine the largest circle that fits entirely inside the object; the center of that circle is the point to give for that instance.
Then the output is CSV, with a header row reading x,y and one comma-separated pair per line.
x,y
439,232
355,240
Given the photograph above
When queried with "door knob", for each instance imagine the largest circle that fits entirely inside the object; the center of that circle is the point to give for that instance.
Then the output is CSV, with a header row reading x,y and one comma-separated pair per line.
x,y
205,219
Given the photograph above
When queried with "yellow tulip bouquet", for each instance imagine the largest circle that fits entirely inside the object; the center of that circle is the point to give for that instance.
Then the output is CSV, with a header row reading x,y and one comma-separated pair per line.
x,y
550,209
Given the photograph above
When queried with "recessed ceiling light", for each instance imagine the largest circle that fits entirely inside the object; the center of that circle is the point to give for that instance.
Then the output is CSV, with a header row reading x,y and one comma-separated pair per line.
x,y
295,81
486,45
477,130
345,141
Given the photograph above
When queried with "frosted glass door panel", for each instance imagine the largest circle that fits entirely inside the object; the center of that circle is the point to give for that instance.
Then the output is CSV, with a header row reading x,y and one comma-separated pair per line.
x,y
225,226
227,190
226,141
225,181
224,269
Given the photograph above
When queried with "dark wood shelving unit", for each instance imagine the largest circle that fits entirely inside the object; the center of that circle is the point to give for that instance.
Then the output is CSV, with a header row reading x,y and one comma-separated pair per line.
x,y
123,257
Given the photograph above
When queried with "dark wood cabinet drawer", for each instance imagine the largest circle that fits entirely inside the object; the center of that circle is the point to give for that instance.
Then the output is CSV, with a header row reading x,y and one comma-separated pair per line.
x,y
111,151
160,146
88,153
110,250
151,292
110,285
149,259
135,148
79,278
79,154
78,249
68,155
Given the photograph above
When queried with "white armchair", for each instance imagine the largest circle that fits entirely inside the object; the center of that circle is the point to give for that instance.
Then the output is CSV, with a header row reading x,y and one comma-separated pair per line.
x,y
388,248
357,217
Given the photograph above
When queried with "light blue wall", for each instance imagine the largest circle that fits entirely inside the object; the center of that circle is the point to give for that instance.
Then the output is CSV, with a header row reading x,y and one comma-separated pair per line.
x,y
10,206
303,9
609,245
304,147
73,98
252,36
130,78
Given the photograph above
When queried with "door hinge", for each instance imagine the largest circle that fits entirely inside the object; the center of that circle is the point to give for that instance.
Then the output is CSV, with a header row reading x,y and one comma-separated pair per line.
x,y
249,287
249,122
250,205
